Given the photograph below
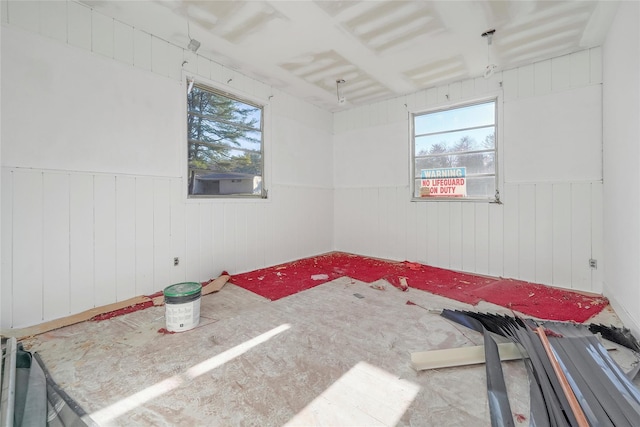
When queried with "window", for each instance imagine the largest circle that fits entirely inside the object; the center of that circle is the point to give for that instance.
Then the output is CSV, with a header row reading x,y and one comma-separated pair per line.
x,y
454,153
225,140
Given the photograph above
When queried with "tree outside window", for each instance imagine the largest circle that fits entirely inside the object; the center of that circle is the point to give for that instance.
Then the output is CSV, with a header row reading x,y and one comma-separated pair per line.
x,y
225,144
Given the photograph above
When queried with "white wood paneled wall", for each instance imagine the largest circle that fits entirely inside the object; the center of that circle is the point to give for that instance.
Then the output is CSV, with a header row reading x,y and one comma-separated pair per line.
x,y
72,241
545,233
550,223
74,238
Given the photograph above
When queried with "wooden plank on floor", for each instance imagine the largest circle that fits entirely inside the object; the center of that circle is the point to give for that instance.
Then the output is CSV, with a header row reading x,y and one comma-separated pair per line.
x,y
462,356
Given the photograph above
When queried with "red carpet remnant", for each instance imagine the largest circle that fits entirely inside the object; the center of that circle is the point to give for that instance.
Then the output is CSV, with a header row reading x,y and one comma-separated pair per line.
x,y
122,311
529,298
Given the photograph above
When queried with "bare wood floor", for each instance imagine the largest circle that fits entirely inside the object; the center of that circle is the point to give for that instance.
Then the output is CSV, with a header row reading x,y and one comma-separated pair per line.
x,y
320,357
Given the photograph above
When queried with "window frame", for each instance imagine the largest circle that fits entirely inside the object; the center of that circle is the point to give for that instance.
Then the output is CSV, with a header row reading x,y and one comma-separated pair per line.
x,y
496,99
235,95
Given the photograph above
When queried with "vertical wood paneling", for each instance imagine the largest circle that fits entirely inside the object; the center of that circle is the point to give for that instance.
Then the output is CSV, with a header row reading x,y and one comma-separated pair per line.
x,y
511,228
361,219
526,81
310,200
270,233
217,232
481,255
174,59
55,247
6,247
203,67
241,218
398,204
468,88
527,232
432,238
455,91
386,212
562,235
468,237
542,71
496,240
580,64
53,20
178,230
421,227
345,226
160,57
105,239
206,242
78,25
597,237
162,258
125,237
444,237
369,222
24,14
229,233
123,42
581,236
480,85
101,34
595,64
544,233
455,236
411,231
510,84
81,243
216,72
561,73
189,61
27,248
144,235
192,238
142,50
255,237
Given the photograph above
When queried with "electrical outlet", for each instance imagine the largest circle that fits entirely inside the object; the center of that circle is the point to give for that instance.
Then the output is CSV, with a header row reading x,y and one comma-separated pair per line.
x,y
176,261
593,263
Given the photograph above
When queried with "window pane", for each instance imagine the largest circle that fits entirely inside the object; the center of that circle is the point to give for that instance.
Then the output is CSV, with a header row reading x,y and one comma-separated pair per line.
x,y
225,145
466,140
477,163
461,137
481,186
457,118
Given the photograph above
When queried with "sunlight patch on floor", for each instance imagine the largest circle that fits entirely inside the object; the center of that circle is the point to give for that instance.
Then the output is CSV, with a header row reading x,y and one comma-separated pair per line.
x,y
121,407
365,395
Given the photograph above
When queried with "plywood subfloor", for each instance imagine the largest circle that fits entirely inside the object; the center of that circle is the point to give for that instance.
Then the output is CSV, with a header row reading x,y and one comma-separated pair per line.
x,y
324,356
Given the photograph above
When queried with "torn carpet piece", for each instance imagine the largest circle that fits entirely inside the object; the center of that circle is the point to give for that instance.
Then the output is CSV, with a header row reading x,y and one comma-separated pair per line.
x,y
528,298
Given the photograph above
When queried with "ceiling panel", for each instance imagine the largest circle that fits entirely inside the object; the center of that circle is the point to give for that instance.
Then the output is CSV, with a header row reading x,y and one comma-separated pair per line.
x,y
382,48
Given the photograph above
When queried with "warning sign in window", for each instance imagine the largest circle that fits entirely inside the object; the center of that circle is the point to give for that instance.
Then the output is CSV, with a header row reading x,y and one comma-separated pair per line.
x,y
443,182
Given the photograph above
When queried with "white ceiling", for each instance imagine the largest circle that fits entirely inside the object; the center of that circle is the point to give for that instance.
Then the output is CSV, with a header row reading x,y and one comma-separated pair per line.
x,y
381,49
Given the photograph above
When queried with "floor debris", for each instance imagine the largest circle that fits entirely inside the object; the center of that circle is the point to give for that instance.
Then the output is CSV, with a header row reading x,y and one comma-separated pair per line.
x,y
528,298
572,378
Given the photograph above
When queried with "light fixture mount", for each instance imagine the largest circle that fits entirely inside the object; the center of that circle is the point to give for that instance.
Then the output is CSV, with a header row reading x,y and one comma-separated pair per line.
x,y
490,68
193,45
341,98
489,35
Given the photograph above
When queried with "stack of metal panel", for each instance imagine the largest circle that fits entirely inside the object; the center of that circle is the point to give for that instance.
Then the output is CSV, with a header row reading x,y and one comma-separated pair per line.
x,y
604,394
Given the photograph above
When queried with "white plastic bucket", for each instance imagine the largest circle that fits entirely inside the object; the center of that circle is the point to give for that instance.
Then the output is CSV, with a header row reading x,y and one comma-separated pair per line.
x,y
182,306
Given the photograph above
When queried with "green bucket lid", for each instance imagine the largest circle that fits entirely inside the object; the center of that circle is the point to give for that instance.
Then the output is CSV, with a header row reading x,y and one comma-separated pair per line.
x,y
183,289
